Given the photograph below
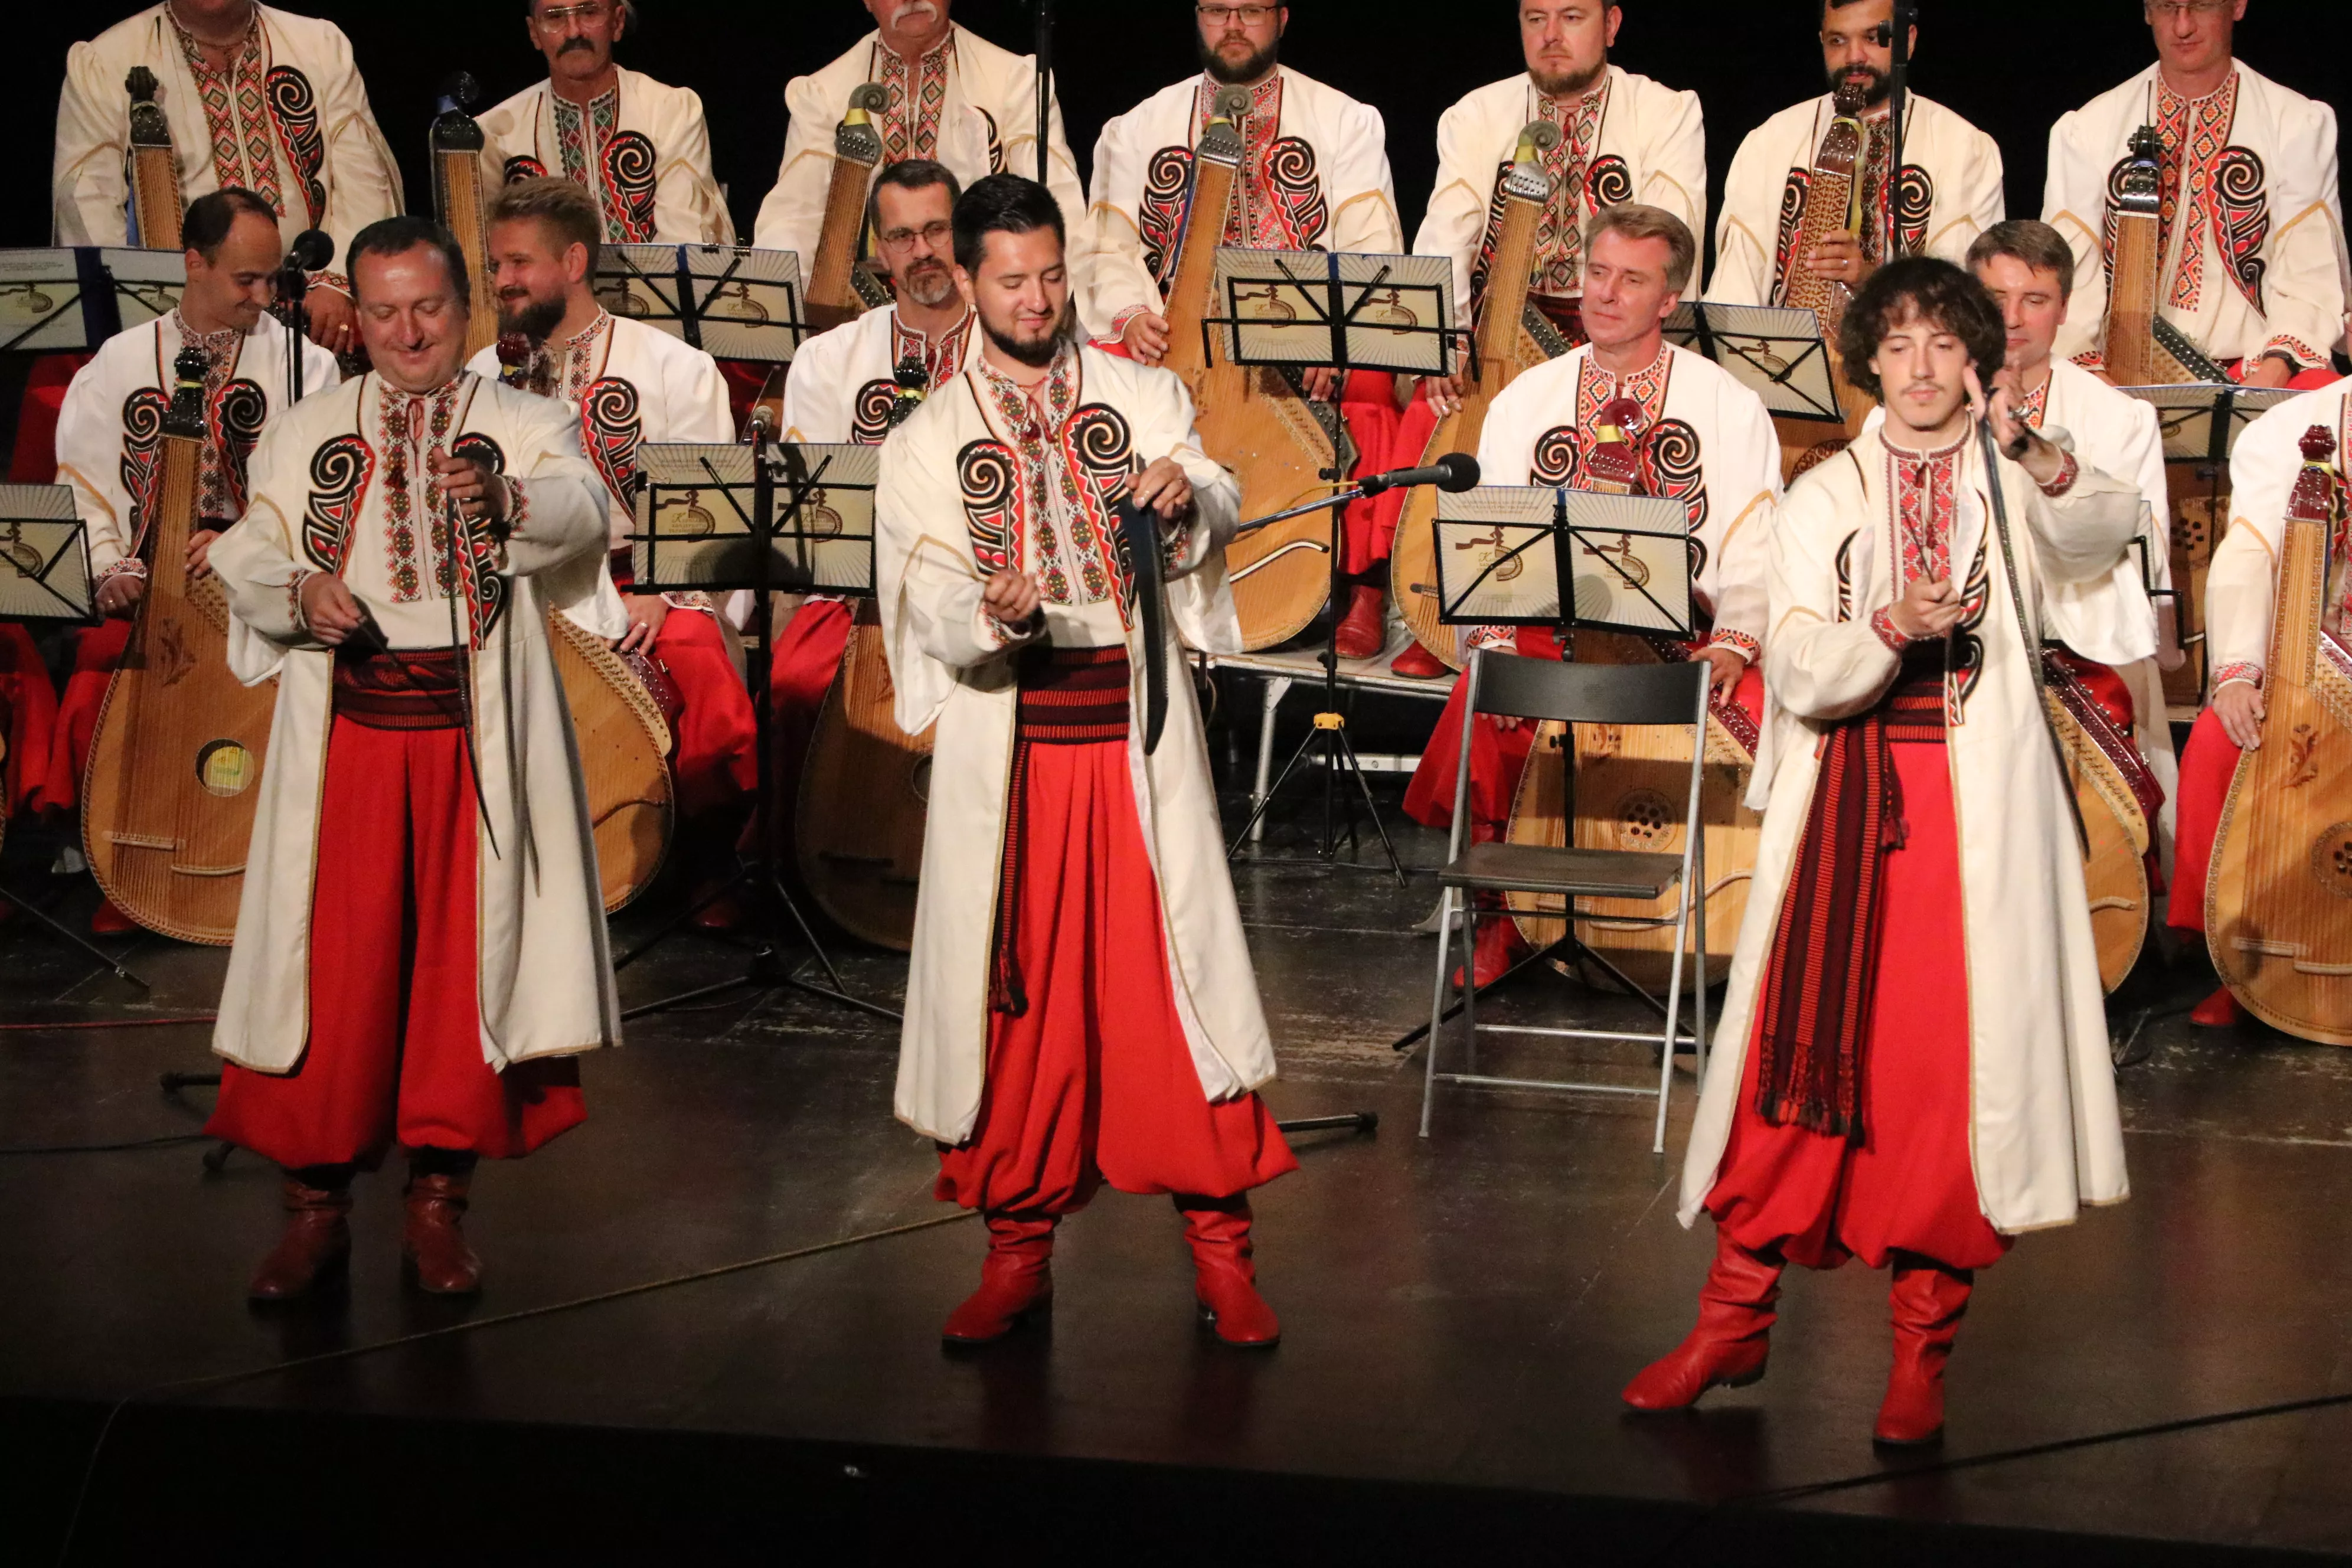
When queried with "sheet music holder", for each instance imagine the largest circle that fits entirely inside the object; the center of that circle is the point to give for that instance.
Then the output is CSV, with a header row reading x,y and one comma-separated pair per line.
x,y
1502,552
709,513
1777,353
2201,422
44,556
62,300
1346,310
732,301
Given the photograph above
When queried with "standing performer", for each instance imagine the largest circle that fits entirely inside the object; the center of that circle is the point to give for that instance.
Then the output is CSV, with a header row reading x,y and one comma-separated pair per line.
x,y
2251,265
845,387
420,949
955,98
1948,192
1314,176
1081,1007
633,384
108,441
1912,1066
1697,435
275,98
639,148
2242,592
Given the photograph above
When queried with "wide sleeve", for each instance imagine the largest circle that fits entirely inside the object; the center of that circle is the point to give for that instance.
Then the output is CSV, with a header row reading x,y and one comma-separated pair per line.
x,y
363,177
2241,580
258,560
687,205
816,404
321,371
2303,303
1120,285
1362,190
89,194
793,215
1456,222
1675,178
1749,226
928,587
1740,566
1816,666
2074,203
1977,203
560,514
89,459
2080,536
2143,465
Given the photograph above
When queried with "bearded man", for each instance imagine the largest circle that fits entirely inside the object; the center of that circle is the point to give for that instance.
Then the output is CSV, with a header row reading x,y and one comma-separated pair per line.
x,y
420,948
639,148
1080,1004
1947,192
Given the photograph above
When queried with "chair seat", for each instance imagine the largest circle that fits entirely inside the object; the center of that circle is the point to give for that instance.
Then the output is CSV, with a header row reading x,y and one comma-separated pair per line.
x,y
1575,873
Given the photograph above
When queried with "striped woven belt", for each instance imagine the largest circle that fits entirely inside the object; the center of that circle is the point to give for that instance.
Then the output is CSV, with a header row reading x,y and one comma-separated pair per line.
x,y
1073,696
405,689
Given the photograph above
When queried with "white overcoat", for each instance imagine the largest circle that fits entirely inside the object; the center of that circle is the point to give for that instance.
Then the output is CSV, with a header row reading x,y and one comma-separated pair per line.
x,y
674,190
1961,164
844,384
2045,1134
2241,584
545,970
2285,292
950,666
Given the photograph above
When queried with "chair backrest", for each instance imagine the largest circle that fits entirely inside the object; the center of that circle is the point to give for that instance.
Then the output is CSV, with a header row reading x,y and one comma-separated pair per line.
x,y
1588,693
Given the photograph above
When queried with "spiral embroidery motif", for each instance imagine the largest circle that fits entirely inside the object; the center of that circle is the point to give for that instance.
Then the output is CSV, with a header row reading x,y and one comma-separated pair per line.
x,y
1967,647
340,472
1608,184
1677,471
239,413
1915,199
1483,265
2243,221
1559,457
1298,192
143,436
1159,216
991,503
629,164
1098,437
612,425
1792,231
295,109
870,412
475,561
523,167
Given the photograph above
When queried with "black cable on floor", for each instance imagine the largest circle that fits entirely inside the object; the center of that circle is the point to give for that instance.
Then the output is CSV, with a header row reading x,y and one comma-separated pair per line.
x,y
169,1141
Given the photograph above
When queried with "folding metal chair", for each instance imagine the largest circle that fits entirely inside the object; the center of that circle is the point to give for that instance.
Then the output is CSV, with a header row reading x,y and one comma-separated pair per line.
x,y
1542,688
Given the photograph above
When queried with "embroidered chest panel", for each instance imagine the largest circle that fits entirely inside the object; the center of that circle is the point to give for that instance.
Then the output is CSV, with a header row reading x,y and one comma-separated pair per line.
x,y
1040,499
1668,455
2205,185
1914,203
942,358
1279,200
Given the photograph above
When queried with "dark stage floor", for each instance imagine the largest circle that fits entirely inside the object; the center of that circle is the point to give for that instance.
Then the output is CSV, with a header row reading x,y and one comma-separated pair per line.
x,y
1459,1315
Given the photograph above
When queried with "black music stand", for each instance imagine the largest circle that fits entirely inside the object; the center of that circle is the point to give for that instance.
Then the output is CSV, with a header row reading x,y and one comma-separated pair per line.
x,y
1311,309
45,576
732,301
768,517
1776,353
59,301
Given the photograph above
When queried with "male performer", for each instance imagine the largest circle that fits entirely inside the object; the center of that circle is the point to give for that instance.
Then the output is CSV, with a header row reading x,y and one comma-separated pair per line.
x,y
110,449
845,387
1314,176
1949,190
1697,435
1081,1007
258,98
638,147
2242,591
420,948
633,384
1912,1066
955,98
2253,224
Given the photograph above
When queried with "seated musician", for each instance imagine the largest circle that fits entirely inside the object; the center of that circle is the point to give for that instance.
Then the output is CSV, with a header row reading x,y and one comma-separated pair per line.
x,y
2240,596
1912,1067
110,449
2252,232
1624,137
420,947
639,148
1314,176
631,385
1949,190
845,387
1690,432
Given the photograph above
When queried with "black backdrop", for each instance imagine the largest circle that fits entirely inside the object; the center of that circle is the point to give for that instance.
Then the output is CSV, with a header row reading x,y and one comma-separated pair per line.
x,y
2010,66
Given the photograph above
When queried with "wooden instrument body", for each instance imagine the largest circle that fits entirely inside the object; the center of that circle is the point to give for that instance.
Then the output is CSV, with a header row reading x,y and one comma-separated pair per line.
x,y
1504,351
461,195
2278,903
2199,494
624,745
2115,872
1833,206
833,294
2134,289
865,799
1254,421
155,203
169,797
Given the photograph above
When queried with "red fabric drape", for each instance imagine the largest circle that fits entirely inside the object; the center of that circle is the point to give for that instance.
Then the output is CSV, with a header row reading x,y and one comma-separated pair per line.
x,y
716,761
35,459
97,650
807,658
28,716
2207,766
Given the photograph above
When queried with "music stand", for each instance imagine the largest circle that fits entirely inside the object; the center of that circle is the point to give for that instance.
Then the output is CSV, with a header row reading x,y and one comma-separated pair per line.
x,y
45,576
1312,309
1776,353
732,301
767,517
61,301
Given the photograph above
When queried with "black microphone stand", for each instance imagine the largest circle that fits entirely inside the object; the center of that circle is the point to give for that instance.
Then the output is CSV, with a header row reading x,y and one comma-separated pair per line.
x,y
1045,85
1898,103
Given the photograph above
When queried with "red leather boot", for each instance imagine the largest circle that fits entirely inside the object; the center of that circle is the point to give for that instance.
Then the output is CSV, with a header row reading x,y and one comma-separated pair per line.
x,y
2218,1011
1224,1280
432,1241
1364,628
1926,1301
317,1241
1500,945
1728,1347
1016,1278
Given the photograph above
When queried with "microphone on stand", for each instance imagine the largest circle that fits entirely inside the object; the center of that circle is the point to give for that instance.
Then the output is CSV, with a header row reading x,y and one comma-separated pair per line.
x,y
311,251
1452,473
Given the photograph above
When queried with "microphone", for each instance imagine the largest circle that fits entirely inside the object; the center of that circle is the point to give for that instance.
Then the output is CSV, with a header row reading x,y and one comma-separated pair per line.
x,y
1455,472
312,251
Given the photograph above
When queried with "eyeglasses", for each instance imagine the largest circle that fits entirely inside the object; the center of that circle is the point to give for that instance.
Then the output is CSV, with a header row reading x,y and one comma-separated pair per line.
x,y
1225,15
2173,10
935,234
584,11
1880,36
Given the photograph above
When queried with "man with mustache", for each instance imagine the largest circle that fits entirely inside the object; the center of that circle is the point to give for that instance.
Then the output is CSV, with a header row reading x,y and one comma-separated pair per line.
x,y
1912,1067
639,148
955,98
633,384
1314,176
845,387
1948,191
1080,1004
2252,250
420,948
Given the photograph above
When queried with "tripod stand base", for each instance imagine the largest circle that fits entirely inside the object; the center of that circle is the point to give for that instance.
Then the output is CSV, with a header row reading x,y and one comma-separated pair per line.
x,y
769,971
1364,1122
58,927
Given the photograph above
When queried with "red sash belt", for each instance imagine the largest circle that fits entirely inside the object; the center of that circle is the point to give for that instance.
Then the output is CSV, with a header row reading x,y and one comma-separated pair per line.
x,y
405,689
